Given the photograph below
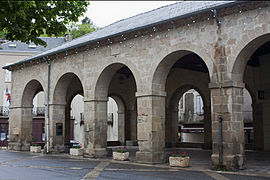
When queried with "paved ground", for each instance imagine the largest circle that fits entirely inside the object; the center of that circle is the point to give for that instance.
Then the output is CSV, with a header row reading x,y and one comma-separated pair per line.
x,y
25,165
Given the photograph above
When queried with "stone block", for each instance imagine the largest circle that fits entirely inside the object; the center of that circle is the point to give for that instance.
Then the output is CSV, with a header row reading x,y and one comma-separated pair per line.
x,y
120,156
76,151
35,149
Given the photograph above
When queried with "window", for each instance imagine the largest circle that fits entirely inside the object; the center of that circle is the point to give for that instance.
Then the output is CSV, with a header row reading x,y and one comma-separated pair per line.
x,y
199,105
7,76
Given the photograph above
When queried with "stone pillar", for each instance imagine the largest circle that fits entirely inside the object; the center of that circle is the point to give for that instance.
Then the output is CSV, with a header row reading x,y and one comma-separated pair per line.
x,y
95,128
20,128
258,126
131,126
207,128
67,128
171,122
121,126
227,102
151,128
57,127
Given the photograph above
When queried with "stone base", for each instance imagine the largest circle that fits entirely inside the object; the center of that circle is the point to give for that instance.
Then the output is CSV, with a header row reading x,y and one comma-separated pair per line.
x,y
58,148
14,146
120,156
35,149
76,151
231,162
150,157
95,153
18,147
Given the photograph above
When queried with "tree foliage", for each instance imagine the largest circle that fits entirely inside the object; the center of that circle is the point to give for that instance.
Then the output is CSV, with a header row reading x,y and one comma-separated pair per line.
x,y
27,20
86,27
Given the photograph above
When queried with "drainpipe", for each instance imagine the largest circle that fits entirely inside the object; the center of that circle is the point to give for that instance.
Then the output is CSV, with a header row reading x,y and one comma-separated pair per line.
x,y
48,109
220,140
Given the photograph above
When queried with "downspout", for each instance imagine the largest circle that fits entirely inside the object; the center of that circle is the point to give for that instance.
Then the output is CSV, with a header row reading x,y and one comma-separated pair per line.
x,y
48,109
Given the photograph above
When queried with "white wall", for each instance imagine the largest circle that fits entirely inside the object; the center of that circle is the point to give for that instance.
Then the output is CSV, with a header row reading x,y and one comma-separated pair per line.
x,y
77,107
112,129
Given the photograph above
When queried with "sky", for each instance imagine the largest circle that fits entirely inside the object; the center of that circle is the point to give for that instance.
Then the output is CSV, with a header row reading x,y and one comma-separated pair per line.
x,y
103,13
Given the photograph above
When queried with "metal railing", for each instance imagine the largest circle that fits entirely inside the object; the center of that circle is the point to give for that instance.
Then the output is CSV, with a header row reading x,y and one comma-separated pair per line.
x,y
4,110
38,111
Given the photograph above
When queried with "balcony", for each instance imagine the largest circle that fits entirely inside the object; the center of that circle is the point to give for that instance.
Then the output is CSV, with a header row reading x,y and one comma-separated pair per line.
x,y
38,111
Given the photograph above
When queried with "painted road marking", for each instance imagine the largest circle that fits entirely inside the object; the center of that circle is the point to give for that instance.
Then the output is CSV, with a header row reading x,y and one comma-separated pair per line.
x,y
95,172
215,175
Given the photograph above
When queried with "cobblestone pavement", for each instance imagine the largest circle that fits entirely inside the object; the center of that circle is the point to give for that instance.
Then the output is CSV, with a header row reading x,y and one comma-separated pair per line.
x,y
25,165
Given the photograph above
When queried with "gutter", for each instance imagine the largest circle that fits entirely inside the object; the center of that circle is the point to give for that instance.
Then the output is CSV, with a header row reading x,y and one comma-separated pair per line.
x,y
125,32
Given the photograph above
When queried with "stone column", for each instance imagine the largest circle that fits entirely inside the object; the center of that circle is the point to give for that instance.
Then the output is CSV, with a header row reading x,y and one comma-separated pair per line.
x,y
151,128
121,126
95,127
171,122
20,128
207,128
57,127
227,102
258,126
131,127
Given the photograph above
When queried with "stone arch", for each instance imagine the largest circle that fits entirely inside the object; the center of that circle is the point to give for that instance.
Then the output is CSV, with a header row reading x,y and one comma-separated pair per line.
x,y
119,101
32,88
180,91
251,93
121,116
237,67
103,80
163,68
172,113
67,86
68,81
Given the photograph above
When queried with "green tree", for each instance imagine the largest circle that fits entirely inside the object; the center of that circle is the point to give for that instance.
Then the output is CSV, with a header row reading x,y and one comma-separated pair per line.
x,y
86,27
27,20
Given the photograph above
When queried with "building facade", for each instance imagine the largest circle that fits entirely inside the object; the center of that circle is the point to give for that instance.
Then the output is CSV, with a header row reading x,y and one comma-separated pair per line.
x,y
15,51
148,61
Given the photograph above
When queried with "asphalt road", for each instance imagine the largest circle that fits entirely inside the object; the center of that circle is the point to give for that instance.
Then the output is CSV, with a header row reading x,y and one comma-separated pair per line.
x,y
24,165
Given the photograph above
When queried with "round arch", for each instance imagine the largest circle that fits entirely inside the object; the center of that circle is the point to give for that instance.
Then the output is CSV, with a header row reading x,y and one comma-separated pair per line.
x,y
237,67
163,68
66,87
32,88
178,93
102,81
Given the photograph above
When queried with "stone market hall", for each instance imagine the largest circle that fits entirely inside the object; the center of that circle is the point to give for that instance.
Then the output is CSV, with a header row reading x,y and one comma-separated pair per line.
x,y
146,63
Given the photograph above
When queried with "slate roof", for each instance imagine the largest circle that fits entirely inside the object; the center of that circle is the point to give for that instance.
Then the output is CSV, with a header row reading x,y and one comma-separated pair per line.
x,y
157,16
52,42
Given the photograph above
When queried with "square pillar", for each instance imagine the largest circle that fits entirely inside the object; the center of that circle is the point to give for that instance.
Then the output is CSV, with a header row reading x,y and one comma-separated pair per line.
x,y
20,128
258,126
57,127
207,128
95,128
227,102
171,121
151,128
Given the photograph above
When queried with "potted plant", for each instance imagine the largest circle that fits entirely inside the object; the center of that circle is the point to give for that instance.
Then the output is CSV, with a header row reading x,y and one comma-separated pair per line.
x,y
121,154
76,150
179,159
35,147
